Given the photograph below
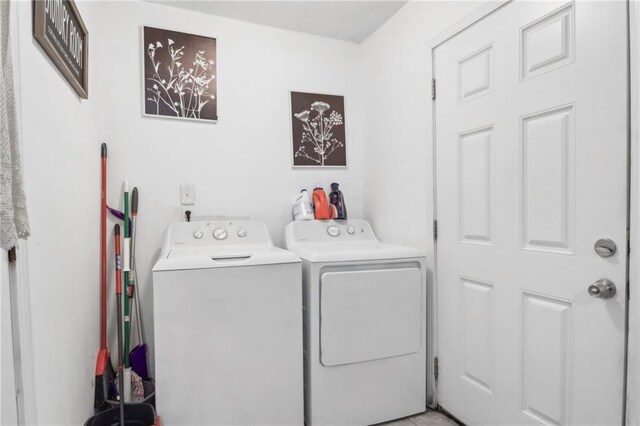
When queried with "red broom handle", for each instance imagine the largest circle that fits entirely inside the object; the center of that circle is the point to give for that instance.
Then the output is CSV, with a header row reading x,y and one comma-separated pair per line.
x,y
103,249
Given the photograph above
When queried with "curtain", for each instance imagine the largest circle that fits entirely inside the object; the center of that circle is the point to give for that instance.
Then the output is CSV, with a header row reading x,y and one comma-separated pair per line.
x,y
14,221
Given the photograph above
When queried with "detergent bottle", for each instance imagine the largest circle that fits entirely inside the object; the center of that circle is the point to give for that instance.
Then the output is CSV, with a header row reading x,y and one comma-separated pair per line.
x,y
320,203
301,208
337,199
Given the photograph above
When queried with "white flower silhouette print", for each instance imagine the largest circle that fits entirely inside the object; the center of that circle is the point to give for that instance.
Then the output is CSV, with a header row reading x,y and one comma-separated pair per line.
x,y
179,76
317,141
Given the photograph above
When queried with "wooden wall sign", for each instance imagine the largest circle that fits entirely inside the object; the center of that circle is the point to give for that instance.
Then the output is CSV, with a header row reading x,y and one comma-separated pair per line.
x,y
58,28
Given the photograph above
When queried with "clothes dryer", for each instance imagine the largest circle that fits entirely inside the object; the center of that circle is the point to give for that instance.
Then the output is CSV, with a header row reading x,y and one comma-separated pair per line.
x,y
364,323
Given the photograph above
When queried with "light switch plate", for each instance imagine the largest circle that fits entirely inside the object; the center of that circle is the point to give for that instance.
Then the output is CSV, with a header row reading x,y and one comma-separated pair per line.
x,y
187,194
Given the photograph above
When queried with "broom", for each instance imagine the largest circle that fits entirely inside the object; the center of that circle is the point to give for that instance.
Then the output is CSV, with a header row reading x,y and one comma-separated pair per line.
x,y
104,368
138,355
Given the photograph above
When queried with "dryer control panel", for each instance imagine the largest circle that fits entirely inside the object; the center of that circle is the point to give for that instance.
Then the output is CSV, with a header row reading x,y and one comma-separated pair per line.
x,y
318,231
217,233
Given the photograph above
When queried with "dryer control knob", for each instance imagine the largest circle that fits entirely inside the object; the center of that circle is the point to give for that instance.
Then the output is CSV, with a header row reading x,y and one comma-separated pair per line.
x,y
334,231
242,233
220,233
351,230
197,235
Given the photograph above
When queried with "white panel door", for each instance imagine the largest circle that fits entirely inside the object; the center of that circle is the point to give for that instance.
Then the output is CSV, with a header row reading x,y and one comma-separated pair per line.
x,y
531,158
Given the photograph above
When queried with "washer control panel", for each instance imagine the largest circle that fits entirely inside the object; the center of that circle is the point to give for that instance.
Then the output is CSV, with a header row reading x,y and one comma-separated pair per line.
x,y
330,231
334,231
218,232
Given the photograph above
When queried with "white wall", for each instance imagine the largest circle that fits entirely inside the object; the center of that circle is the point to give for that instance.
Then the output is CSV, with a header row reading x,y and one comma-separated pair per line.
x,y
396,68
60,154
397,74
240,166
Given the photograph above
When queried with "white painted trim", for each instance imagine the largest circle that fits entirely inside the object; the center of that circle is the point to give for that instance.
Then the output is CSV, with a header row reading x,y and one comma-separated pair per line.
x,y
22,332
22,338
633,351
481,13
432,284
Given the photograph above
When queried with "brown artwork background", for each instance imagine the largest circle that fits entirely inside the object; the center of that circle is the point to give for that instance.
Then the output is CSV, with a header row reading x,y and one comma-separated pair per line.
x,y
318,129
179,75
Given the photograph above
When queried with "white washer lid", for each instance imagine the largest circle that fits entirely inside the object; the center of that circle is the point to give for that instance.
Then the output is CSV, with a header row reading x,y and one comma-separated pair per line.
x,y
186,258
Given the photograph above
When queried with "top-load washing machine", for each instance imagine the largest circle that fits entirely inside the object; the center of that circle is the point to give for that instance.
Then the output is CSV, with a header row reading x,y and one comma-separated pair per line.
x,y
364,324
228,327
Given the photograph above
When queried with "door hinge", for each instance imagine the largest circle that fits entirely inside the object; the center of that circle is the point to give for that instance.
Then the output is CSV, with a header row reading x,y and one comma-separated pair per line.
x,y
12,255
433,89
435,230
435,368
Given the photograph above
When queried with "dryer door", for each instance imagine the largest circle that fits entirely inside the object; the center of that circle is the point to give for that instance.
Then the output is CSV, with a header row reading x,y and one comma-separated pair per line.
x,y
370,314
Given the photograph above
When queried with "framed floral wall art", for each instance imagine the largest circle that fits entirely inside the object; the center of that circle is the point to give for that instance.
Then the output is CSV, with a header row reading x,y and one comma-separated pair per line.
x,y
179,75
318,130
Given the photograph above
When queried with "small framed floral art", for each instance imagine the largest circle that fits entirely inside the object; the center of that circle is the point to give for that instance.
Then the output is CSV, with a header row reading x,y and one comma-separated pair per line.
x,y
179,75
318,130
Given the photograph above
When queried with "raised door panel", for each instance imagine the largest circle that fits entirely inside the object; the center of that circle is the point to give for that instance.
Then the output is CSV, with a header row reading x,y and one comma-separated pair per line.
x,y
475,187
547,187
547,43
546,358
475,74
478,333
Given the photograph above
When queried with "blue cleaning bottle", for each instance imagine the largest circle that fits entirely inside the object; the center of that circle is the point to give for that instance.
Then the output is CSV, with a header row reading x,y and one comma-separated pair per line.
x,y
337,199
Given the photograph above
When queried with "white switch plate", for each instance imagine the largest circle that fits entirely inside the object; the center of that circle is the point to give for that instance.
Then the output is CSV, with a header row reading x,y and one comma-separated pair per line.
x,y
187,194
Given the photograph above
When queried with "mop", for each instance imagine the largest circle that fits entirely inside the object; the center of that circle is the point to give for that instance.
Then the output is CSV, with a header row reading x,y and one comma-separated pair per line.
x,y
138,354
140,414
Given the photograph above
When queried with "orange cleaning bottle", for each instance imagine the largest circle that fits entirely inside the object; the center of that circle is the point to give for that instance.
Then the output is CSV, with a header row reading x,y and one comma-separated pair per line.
x,y
320,203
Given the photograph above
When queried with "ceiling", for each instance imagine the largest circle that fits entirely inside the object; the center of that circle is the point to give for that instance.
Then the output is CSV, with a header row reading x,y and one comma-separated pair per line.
x,y
344,20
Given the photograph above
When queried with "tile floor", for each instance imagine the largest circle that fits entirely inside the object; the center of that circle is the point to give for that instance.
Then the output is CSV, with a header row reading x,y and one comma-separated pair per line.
x,y
429,418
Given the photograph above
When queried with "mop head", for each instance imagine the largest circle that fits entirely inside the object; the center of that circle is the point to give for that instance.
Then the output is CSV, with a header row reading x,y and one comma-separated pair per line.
x,y
137,387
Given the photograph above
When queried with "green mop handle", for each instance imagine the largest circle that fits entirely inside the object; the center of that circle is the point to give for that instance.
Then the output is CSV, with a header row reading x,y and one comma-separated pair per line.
x,y
126,269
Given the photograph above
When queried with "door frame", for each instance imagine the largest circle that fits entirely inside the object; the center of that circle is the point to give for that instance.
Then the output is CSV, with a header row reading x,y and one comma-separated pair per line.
x,y
633,301
22,337
18,276
631,371
432,315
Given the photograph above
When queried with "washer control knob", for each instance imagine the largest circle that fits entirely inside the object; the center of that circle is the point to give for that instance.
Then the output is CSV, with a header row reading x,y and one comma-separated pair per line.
x,y
351,230
241,233
197,235
220,233
334,231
